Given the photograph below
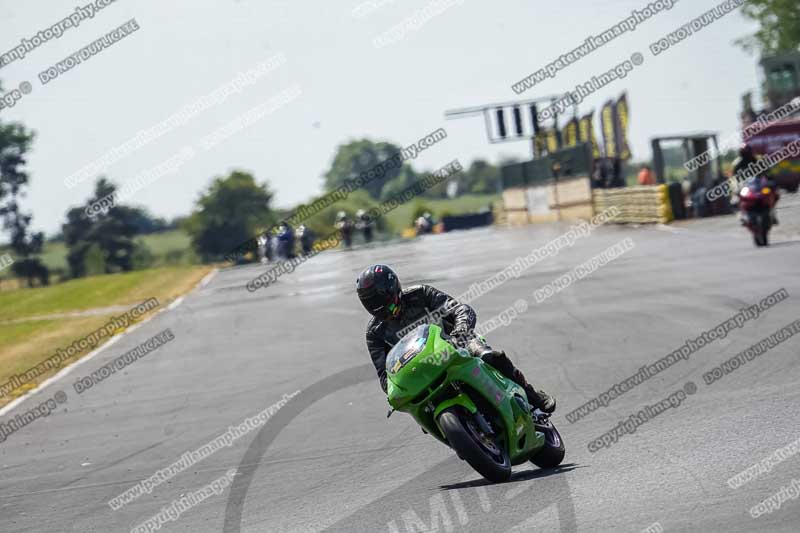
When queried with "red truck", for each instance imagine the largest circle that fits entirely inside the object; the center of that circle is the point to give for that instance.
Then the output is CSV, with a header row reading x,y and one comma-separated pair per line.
x,y
782,84
786,174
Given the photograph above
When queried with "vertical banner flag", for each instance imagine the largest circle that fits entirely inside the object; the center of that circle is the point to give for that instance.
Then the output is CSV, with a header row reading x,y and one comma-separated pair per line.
x,y
621,121
607,125
571,133
552,140
586,133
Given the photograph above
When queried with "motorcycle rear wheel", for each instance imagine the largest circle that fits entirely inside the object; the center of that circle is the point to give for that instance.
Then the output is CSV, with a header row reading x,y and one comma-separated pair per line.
x,y
483,453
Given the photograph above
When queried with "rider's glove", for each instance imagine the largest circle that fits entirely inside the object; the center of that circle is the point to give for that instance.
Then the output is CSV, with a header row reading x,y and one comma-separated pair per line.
x,y
461,336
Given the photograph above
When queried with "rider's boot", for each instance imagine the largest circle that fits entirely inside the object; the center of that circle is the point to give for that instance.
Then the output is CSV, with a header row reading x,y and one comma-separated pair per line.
x,y
540,399
499,360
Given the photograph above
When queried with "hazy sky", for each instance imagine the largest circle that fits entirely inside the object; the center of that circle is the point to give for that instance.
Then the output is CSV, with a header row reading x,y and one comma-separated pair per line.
x,y
469,54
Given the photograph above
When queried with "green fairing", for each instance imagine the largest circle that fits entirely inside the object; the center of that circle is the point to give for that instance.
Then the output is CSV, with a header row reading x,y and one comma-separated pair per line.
x,y
425,379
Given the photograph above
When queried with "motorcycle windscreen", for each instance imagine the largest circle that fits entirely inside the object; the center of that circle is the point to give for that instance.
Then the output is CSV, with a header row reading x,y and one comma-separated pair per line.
x,y
405,350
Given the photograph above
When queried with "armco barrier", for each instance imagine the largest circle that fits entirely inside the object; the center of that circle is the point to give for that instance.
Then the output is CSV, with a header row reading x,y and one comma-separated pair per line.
x,y
637,205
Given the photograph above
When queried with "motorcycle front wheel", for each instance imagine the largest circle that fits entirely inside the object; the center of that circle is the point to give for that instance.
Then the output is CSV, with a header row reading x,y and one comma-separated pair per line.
x,y
765,227
761,229
552,453
486,453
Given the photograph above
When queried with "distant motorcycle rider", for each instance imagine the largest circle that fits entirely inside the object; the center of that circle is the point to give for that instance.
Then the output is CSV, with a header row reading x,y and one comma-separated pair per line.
x,y
741,164
344,224
394,309
424,224
364,224
265,247
745,159
306,237
284,241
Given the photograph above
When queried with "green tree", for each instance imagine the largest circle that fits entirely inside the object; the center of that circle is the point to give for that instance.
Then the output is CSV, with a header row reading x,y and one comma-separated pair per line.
x,y
94,262
480,178
108,235
229,213
145,223
142,257
76,232
779,26
360,156
25,247
405,178
15,142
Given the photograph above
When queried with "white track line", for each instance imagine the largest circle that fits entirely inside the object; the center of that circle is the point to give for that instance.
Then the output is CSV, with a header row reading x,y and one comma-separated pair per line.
x,y
91,355
671,229
206,279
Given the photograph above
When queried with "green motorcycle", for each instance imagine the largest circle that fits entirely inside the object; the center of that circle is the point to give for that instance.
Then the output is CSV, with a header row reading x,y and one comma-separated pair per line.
x,y
468,405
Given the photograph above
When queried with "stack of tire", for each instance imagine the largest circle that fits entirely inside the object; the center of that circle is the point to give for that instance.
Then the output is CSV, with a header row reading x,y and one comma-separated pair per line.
x,y
648,204
499,214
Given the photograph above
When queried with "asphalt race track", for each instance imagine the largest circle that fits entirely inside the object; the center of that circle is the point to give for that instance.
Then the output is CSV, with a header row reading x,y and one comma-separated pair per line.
x,y
329,460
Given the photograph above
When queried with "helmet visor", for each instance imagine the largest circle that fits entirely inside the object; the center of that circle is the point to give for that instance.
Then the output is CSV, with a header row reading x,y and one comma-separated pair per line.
x,y
381,305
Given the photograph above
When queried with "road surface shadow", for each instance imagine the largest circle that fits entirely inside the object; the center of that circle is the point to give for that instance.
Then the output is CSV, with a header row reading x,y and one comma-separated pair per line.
x,y
784,243
525,475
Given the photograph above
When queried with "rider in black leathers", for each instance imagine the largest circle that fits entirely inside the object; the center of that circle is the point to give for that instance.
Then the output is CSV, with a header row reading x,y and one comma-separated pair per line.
x,y
394,309
745,159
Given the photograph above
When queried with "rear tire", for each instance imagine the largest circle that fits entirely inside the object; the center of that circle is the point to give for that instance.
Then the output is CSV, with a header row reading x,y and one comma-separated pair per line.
x,y
494,467
552,454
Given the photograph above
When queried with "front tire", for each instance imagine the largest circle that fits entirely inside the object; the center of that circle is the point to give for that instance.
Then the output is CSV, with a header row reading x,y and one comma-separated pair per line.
x,y
762,229
552,454
489,457
759,225
766,225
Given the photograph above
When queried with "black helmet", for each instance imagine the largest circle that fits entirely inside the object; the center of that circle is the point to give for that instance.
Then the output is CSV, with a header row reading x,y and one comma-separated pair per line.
x,y
378,288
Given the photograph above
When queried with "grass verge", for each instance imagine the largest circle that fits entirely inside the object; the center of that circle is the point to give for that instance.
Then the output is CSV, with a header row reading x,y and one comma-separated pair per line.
x,y
27,337
100,291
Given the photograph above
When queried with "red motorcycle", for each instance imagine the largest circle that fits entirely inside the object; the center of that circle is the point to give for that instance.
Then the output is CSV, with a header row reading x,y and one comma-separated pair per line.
x,y
756,201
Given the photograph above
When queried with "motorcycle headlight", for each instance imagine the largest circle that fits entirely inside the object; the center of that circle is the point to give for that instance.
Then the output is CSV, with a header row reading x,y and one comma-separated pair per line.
x,y
745,191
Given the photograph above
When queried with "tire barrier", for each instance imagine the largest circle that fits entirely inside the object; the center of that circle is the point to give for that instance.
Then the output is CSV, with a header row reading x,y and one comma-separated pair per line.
x,y
515,206
637,205
468,221
565,199
549,188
